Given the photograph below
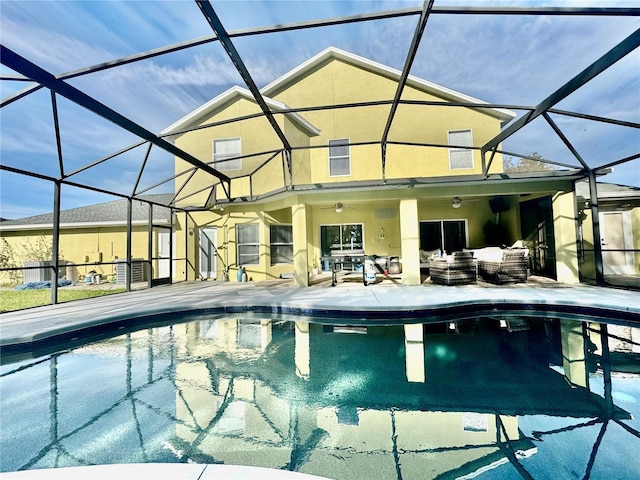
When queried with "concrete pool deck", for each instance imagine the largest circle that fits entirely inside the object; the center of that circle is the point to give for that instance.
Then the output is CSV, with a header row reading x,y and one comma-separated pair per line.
x,y
160,471
348,300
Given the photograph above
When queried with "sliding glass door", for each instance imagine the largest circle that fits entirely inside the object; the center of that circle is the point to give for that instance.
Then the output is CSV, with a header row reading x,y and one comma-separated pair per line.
x,y
447,235
339,240
340,237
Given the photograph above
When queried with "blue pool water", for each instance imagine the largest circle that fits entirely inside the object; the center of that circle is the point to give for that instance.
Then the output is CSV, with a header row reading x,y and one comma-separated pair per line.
x,y
504,397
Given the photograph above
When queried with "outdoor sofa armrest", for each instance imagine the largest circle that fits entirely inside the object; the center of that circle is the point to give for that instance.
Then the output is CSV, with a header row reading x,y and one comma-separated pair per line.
x,y
512,268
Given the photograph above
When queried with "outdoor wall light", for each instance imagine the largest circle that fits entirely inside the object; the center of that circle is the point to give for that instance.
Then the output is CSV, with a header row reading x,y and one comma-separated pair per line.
x,y
456,202
338,208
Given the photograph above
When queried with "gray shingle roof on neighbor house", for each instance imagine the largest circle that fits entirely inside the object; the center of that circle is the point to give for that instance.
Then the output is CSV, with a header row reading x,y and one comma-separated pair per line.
x,y
109,213
608,191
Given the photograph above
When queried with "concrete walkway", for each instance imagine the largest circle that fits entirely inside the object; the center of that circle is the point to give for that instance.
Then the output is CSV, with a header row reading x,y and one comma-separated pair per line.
x,y
352,301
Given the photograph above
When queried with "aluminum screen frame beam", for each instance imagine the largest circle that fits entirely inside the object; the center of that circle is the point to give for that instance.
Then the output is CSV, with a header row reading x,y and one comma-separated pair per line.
x,y
623,48
29,69
365,17
411,55
224,38
566,141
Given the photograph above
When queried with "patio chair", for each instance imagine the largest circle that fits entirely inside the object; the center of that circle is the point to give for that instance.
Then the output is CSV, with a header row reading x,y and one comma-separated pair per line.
x,y
512,267
459,268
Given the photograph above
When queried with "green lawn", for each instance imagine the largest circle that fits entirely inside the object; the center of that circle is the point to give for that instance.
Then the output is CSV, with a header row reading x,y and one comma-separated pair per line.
x,y
11,300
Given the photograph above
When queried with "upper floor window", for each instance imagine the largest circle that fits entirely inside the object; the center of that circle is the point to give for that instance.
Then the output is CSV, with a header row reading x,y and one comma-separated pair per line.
x,y
223,150
460,158
339,158
281,244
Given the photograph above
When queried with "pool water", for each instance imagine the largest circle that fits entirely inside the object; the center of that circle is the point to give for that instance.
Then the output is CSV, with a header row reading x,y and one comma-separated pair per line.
x,y
505,397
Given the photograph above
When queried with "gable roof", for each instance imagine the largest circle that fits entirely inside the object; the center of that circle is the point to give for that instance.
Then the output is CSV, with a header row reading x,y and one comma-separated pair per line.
x,y
290,77
102,214
218,102
380,69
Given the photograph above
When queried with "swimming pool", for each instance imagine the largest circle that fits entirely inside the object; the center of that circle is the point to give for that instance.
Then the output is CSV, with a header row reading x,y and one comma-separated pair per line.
x,y
502,396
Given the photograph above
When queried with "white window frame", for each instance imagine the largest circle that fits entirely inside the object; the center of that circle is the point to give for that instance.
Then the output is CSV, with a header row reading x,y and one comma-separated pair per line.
x,y
340,157
442,221
229,165
276,244
239,245
453,151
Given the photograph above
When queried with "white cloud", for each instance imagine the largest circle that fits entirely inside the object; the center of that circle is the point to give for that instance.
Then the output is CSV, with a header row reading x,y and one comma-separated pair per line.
x,y
203,71
51,50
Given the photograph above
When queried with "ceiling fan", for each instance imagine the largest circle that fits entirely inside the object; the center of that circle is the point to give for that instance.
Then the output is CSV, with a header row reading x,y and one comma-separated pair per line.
x,y
338,207
456,202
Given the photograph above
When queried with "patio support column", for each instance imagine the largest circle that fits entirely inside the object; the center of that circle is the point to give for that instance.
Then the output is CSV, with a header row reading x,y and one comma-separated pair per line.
x,y
301,352
410,241
566,241
300,245
414,352
266,333
573,352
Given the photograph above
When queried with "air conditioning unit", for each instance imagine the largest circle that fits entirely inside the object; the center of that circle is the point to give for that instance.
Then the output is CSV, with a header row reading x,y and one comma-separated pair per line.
x,y
137,270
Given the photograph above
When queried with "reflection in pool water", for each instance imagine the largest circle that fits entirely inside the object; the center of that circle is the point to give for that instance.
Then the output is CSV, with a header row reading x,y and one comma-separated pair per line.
x,y
492,397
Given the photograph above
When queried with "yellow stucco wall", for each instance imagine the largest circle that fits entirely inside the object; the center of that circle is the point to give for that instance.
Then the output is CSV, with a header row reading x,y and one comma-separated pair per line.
x,y
85,245
256,136
340,82
476,213
227,243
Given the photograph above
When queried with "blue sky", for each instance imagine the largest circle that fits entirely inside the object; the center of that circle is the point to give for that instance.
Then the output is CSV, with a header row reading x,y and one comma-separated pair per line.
x,y
519,60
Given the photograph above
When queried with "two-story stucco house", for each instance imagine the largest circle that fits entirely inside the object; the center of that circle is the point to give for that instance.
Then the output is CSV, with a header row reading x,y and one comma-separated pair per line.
x,y
336,175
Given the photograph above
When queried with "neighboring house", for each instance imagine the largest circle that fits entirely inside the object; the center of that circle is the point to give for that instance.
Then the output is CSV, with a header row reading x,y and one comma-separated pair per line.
x,y
96,234
336,189
619,222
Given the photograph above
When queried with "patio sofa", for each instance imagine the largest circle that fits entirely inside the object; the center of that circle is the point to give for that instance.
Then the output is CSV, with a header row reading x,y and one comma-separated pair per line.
x,y
459,268
503,265
426,256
